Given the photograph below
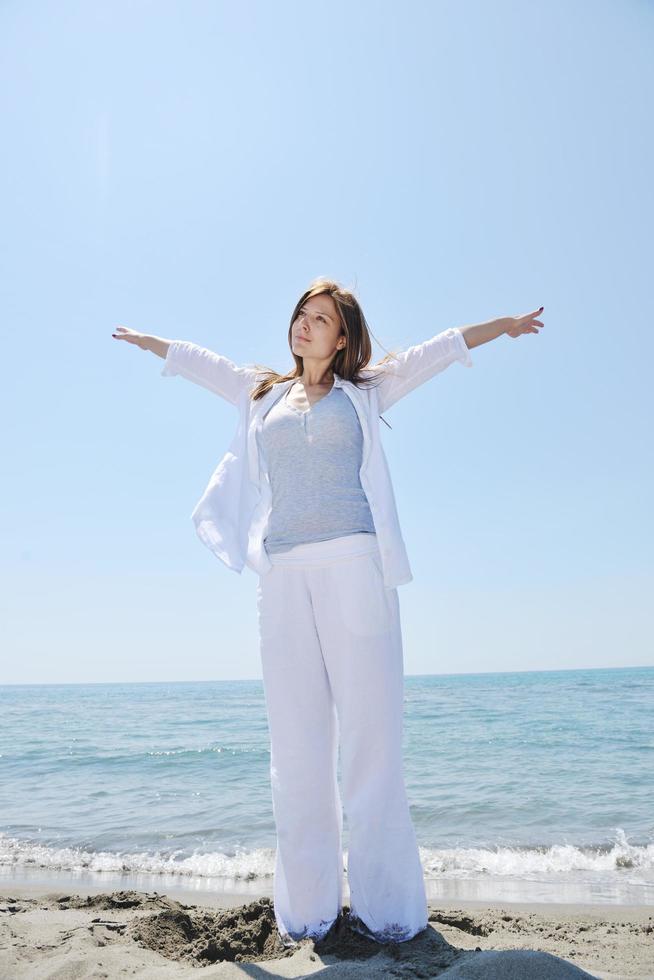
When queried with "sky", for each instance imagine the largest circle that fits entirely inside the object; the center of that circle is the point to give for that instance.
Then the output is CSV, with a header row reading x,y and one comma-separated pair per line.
x,y
186,169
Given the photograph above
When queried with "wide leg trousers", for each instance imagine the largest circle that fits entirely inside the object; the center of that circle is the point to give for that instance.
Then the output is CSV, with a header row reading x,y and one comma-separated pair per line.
x,y
332,664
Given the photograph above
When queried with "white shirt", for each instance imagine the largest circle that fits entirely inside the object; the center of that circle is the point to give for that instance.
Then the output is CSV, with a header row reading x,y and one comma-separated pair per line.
x,y
231,516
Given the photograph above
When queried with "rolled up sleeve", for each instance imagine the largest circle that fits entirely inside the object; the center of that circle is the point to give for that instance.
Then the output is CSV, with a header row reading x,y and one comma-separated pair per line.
x,y
464,350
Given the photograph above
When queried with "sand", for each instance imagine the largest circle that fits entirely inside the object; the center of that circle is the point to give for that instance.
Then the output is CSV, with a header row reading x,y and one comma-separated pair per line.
x,y
73,935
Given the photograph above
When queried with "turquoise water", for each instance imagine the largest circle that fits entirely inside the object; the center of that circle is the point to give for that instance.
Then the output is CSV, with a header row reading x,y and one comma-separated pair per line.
x,y
533,786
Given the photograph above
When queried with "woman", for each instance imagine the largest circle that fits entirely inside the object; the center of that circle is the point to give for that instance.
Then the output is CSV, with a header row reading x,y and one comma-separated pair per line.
x,y
304,497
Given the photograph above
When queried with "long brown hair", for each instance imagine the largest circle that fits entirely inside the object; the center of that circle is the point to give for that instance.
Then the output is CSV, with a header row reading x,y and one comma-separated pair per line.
x,y
348,362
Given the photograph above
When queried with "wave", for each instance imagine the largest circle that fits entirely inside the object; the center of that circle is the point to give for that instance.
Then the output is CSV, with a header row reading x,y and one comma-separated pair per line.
x,y
257,863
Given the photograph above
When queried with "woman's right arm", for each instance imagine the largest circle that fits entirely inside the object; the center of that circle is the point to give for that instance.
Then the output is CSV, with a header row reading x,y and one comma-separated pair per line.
x,y
198,364
145,341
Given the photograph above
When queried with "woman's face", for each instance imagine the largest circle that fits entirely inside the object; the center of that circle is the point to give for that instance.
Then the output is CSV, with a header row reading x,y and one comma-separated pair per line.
x,y
316,331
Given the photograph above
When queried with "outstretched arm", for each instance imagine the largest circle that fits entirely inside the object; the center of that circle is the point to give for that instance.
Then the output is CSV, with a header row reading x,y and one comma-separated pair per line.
x,y
412,367
198,364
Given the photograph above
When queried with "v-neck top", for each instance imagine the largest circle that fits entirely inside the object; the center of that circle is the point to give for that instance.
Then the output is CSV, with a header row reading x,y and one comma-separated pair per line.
x,y
312,459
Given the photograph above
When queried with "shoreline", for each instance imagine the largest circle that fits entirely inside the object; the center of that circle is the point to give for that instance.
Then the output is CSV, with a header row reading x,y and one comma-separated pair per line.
x,y
474,892
95,931
231,899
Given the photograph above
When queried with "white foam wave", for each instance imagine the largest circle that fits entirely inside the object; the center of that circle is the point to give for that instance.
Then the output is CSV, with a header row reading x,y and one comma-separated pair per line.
x,y
520,862
244,864
257,863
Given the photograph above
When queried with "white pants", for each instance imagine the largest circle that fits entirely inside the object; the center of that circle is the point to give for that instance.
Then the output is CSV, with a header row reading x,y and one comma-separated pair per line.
x,y
332,662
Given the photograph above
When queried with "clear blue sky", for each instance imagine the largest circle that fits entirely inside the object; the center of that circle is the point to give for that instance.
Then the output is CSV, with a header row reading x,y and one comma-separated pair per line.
x,y
186,169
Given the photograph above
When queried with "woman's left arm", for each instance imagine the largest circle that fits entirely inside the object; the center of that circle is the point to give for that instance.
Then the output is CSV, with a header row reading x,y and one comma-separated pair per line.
x,y
514,326
414,366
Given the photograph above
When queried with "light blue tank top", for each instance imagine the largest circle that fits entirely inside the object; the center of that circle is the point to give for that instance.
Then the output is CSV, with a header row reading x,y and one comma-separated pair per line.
x,y
313,460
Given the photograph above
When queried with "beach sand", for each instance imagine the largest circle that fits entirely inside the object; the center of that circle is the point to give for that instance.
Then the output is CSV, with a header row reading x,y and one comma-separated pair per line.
x,y
70,935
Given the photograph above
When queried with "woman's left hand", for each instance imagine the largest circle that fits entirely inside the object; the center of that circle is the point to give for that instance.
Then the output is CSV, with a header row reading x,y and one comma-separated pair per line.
x,y
525,323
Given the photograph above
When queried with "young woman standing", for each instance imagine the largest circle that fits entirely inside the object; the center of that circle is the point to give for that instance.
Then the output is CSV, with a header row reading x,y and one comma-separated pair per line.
x,y
304,498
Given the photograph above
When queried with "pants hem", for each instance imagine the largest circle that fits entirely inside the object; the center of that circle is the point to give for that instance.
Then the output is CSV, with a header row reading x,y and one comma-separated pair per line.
x,y
394,933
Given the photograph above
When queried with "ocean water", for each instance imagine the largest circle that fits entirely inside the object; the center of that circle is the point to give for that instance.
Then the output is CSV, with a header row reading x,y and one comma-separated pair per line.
x,y
528,786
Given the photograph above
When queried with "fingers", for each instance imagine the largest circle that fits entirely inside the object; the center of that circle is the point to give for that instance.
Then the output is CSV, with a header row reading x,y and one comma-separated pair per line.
x,y
529,321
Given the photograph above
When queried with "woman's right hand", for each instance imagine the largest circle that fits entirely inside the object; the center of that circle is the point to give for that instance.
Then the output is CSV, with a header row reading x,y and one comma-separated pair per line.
x,y
131,336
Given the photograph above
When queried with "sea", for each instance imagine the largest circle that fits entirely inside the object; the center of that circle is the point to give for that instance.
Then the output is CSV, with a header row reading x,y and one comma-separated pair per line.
x,y
532,786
